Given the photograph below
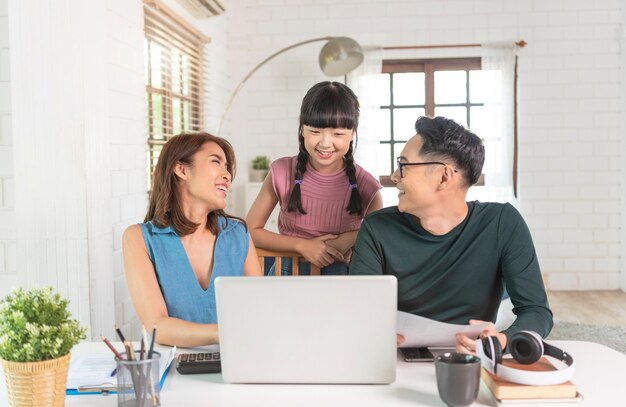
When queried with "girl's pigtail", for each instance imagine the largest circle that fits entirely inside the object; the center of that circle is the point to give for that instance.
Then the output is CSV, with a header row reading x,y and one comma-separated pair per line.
x,y
355,205
295,199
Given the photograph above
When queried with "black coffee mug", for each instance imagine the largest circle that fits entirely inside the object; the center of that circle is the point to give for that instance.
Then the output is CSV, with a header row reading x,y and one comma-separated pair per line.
x,y
458,378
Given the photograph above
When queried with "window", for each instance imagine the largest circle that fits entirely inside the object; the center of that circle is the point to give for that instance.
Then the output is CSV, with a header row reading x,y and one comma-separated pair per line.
x,y
454,88
173,55
458,88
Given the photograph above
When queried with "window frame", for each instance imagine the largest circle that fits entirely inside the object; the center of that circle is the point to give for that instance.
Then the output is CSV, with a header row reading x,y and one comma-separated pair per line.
x,y
428,67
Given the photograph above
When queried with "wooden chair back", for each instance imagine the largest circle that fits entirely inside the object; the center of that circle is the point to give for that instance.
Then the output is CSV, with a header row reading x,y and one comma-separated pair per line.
x,y
278,256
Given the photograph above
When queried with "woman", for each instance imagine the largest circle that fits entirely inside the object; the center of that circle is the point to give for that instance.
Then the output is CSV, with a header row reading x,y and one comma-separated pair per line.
x,y
186,241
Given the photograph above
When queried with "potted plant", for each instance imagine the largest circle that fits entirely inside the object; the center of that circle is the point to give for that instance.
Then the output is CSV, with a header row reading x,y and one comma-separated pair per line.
x,y
36,336
260,167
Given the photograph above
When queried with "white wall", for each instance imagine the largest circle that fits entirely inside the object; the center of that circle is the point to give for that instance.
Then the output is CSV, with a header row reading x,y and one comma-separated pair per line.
x,y
622,35
126,99
8,240
78,109
82,147
571,159
61,153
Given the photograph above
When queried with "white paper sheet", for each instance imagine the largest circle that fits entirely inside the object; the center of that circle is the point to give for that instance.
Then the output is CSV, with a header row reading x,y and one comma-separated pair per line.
x,y
419,331
94,369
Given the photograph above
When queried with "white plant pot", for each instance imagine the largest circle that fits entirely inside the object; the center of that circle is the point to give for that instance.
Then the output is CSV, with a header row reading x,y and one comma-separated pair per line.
x,y
258,175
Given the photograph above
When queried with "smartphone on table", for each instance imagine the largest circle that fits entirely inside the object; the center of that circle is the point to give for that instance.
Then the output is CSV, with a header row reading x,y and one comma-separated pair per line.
x,y
417,354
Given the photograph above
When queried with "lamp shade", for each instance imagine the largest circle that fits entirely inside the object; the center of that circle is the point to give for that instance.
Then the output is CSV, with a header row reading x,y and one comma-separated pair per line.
x,y
340,55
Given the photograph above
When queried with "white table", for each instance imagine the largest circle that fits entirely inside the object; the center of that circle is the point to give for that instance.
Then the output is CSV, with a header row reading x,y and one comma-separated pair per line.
x,y
600,377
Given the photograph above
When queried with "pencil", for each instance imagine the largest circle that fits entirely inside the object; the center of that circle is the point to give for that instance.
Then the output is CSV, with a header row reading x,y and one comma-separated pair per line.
x,y
144,336
129,350
119,333
117,354
141,349
152,343
132,368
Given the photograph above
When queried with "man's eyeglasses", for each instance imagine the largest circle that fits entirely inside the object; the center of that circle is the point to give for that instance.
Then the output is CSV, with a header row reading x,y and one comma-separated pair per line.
x,y
404,164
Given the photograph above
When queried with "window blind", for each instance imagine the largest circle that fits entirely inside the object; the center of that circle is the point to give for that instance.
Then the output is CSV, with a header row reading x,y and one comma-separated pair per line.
x,y
173,62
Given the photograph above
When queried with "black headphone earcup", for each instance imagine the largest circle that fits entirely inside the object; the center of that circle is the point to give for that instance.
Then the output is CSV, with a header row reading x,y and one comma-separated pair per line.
x,y
498,350
525,348
484,342
490,342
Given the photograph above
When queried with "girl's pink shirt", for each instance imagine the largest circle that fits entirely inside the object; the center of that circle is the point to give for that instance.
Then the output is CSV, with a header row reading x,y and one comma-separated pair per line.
x,y
325,198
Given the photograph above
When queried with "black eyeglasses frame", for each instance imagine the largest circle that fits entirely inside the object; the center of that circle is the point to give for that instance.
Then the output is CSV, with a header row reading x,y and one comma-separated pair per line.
x,y
405,164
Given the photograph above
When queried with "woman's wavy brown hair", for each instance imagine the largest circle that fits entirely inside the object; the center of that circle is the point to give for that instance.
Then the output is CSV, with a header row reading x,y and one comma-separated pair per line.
x,y
164,204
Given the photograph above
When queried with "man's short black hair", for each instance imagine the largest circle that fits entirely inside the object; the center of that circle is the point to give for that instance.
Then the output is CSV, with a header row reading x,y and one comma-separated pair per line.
x,y
445,139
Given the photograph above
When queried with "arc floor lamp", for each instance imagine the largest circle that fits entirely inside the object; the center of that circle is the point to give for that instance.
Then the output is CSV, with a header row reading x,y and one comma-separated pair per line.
x,y
339,56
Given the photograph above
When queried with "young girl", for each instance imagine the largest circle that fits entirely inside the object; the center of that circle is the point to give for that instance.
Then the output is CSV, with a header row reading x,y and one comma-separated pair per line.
x,y
186,241
323,193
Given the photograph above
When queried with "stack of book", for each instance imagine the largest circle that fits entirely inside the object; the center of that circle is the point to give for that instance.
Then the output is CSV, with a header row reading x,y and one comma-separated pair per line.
x,y
506,393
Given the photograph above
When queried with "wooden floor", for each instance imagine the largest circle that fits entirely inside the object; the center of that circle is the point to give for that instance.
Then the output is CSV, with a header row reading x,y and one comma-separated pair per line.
x,y
589,307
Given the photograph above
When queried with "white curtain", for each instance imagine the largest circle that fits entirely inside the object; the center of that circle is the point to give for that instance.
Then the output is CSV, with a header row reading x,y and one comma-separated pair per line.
x,y
365,81
498,62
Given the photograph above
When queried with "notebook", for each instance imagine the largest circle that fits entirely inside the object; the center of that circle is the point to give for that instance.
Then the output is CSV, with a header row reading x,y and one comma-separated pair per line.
x,y
313,329
96,372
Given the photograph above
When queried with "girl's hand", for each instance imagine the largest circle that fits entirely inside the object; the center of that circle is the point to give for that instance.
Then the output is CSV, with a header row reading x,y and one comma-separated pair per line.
x,y
318,252
343,242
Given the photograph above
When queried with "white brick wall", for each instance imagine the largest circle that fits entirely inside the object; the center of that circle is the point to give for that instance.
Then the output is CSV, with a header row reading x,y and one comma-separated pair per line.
x,y
580,86
8,250
113,202
128,140
617,134
570,111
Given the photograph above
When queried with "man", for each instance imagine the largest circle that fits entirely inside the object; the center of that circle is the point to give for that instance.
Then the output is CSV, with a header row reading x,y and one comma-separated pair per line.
x,y
452,257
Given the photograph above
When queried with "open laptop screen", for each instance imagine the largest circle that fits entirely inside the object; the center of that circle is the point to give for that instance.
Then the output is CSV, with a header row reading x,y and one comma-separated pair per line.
x,y
314,329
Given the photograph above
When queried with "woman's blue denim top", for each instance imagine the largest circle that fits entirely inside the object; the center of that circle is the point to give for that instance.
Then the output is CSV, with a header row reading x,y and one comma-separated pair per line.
x,y
184,297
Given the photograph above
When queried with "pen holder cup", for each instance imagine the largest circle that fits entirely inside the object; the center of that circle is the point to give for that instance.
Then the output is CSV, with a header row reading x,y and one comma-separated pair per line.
x,y
138,381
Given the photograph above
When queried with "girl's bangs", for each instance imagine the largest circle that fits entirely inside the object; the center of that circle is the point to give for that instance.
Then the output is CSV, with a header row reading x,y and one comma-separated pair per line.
x,y
330,113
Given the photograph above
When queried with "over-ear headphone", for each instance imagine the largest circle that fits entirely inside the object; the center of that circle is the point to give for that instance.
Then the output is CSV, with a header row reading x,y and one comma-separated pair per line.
x,y
526,347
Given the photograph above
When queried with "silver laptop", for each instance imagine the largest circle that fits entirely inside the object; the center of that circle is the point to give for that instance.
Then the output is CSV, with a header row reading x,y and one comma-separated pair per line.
x,y
314,329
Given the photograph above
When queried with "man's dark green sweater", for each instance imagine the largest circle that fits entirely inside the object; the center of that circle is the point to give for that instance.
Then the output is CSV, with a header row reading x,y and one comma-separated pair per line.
x,y
460,275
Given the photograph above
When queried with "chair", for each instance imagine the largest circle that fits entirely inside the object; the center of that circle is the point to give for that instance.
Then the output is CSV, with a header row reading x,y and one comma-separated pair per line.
x,y
263,253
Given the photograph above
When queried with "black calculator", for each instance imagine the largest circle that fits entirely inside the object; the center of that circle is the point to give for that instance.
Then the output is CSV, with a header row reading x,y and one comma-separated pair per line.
x,y
192,363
